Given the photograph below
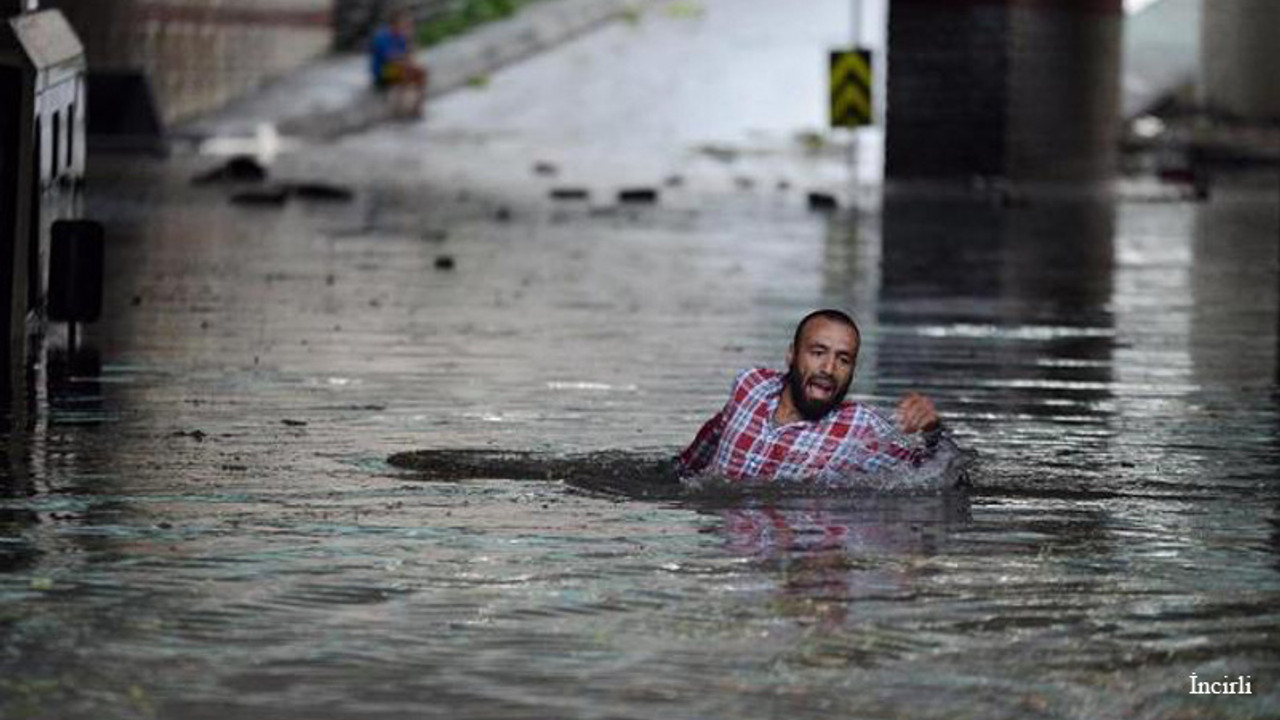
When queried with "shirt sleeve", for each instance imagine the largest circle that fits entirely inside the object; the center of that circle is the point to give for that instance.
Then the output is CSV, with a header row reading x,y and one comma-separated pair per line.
x,y
698,455
702,450
877,445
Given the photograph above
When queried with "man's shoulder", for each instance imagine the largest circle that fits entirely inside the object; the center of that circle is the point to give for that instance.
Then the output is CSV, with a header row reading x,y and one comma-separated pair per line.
x,y
752,378
854,414
385,36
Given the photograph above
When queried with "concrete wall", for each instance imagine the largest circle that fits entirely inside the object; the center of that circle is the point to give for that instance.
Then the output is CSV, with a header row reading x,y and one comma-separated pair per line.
x,y
1240,58
1021,89
1063,100
200,53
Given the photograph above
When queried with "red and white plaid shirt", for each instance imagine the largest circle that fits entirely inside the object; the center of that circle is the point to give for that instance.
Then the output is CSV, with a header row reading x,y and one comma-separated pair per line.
x,y
742,441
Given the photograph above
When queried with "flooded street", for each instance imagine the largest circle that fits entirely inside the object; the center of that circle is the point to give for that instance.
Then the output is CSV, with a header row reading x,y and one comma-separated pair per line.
x,y
206,525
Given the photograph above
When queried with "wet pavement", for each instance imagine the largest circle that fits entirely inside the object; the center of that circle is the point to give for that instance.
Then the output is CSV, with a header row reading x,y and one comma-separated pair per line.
x,y
207,526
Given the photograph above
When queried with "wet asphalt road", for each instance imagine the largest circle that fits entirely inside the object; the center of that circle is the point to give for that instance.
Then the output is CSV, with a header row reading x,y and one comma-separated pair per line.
x,y
207,527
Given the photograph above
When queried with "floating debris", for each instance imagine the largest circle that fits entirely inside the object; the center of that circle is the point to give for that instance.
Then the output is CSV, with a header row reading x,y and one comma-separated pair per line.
x,y
638,196
570,193
825,202
543,167
444,262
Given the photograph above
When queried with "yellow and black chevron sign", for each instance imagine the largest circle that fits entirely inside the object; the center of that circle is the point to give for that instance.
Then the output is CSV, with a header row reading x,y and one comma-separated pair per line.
x,y
850,88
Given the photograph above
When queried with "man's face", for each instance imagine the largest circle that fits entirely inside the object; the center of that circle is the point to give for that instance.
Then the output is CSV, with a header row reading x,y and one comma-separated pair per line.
x,y
821,366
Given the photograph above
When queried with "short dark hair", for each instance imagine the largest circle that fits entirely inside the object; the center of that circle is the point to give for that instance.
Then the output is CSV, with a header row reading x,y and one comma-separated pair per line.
x,y
826,314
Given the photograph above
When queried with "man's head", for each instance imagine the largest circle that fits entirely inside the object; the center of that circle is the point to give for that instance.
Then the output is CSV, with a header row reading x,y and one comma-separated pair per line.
x,y
820,362
401,18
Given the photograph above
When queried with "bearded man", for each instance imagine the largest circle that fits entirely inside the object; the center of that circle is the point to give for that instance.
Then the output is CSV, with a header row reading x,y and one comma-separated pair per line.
x,y
798,426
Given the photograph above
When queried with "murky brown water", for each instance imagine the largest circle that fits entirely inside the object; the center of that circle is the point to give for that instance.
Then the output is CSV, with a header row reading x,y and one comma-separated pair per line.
x,y
206,526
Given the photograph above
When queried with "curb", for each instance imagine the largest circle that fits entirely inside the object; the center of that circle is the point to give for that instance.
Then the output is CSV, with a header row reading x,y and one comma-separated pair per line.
x,y
333,96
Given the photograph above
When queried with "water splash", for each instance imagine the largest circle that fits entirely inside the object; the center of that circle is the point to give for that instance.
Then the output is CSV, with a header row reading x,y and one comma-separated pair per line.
x,y
653,476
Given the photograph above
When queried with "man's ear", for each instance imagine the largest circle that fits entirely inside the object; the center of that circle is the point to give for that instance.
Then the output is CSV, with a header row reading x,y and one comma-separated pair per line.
x,y
791,354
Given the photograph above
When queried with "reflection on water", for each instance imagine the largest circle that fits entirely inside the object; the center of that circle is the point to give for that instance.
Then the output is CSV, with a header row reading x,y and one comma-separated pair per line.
x,y
825,550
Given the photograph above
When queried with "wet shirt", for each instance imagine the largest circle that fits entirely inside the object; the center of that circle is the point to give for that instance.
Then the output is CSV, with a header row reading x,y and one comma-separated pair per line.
x,y
742,441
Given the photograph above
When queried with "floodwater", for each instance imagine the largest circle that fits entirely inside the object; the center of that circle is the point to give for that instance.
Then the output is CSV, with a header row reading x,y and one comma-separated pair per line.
x,y
204,524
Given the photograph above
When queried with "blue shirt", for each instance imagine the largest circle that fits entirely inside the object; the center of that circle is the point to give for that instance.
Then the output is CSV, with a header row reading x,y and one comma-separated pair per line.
x,y
387,47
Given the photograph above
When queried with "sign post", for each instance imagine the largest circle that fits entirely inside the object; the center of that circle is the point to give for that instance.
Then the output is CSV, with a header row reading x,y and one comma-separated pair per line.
x,y
851,105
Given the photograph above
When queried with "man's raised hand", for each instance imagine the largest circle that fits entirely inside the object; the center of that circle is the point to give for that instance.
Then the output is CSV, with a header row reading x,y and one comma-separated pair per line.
x,y
916,413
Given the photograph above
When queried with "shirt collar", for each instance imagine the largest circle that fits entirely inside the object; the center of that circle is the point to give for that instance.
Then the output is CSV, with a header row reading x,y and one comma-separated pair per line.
x,y
775,396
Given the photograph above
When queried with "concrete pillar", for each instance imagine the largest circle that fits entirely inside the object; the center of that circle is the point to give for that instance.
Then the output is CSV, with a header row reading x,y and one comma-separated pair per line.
x,y
1240,59
1027,90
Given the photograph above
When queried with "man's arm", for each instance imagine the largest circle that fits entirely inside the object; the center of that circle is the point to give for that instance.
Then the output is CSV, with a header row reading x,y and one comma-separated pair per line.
x,y
917,413
698,455
881,444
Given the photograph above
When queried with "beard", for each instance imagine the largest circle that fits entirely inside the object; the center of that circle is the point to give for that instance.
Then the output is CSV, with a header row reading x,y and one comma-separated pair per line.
x,y
813,410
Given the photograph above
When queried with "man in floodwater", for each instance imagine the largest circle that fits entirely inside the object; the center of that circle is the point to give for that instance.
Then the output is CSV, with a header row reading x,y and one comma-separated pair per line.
x,y
798,426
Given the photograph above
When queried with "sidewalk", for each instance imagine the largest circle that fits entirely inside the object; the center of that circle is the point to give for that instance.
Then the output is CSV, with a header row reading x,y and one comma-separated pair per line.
x,y
334,95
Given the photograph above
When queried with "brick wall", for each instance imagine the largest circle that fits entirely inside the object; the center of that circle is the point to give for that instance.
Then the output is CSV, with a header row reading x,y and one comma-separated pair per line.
x,y
199,54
